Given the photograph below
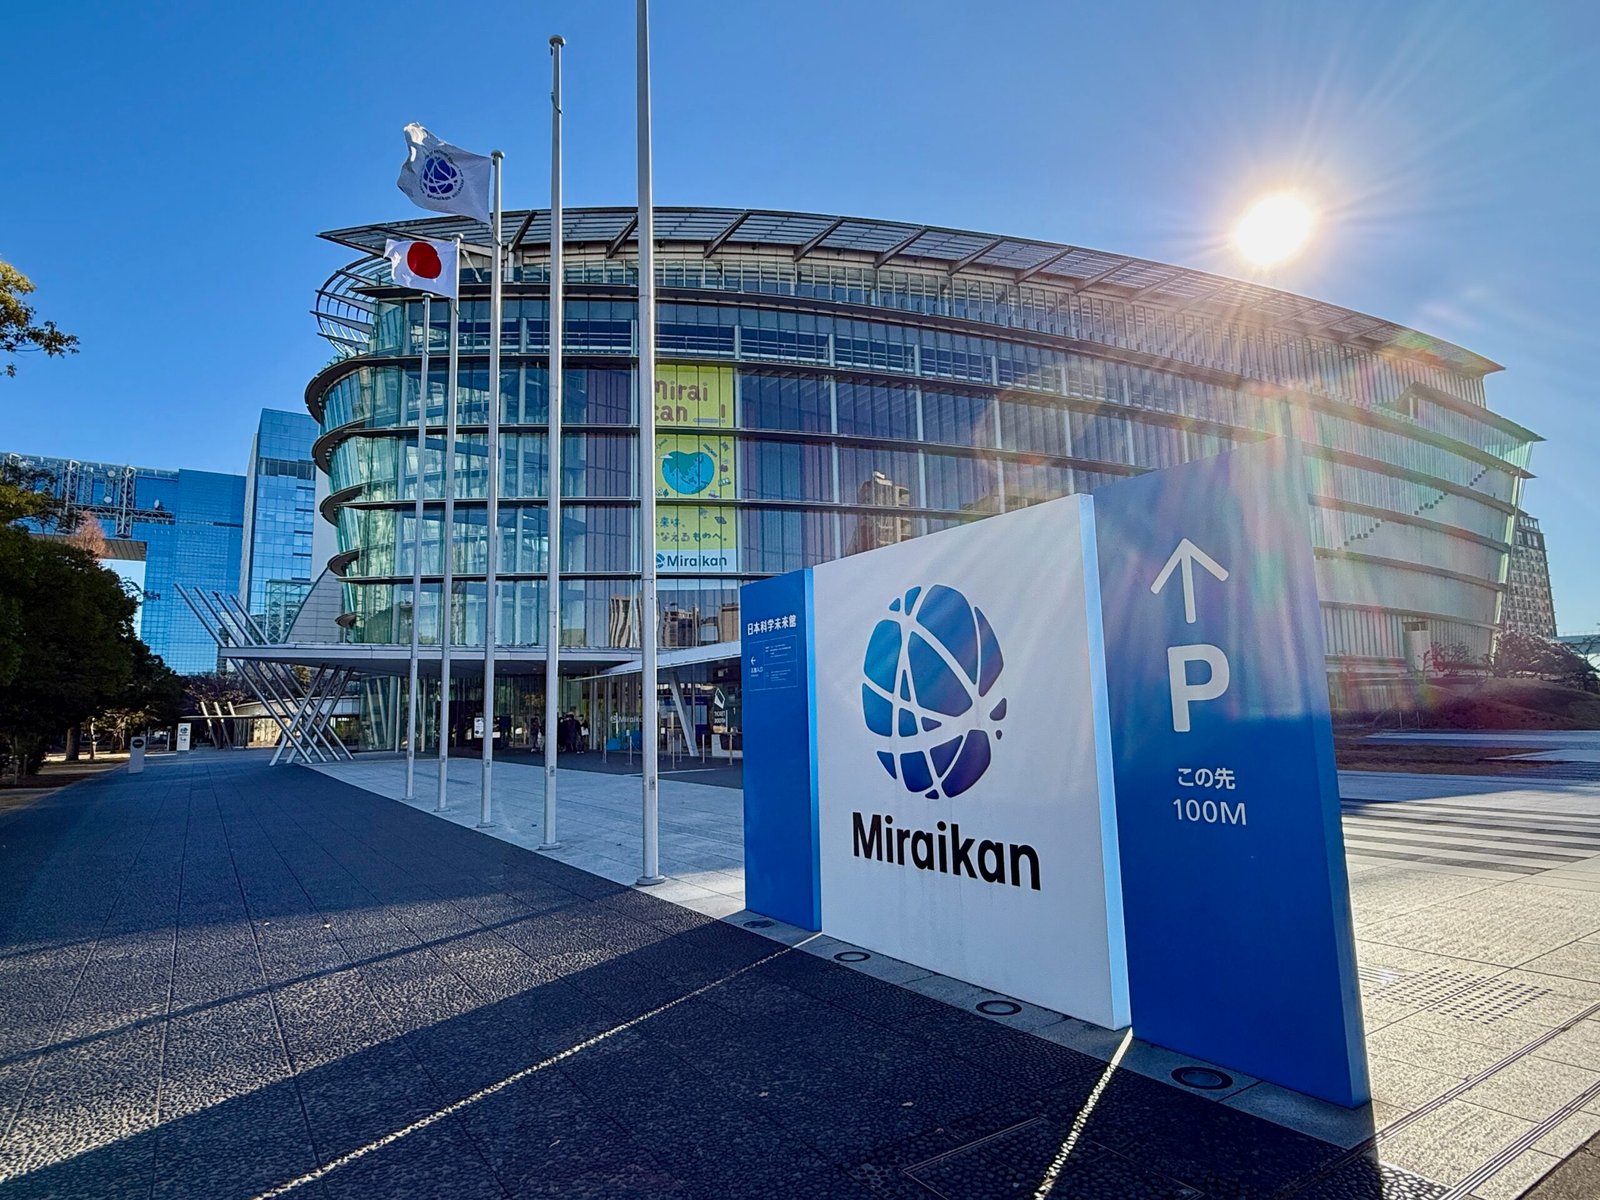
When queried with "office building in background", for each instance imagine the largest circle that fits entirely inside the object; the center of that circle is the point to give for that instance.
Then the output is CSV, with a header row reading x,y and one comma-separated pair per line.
x,y
276,568
185,525
1530,607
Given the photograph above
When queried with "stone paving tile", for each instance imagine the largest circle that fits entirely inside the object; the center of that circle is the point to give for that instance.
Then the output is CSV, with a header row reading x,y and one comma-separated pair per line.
x,y
273,969
1438,1052
1532,1088
1454,1139
1331,1122
1575,1131
1579,1046
1517,1176
1578,1178
1576,960
1405,1084
1504,1035
1498,926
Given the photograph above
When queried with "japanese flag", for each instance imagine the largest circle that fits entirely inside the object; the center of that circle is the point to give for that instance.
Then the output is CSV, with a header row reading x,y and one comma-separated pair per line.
x,y
426,265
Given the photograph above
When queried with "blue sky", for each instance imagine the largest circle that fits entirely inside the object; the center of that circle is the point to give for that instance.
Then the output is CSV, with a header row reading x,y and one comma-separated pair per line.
x,y
167,167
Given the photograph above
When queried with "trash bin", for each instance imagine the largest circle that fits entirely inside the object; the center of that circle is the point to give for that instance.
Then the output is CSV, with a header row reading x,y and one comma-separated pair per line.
x,y
135,756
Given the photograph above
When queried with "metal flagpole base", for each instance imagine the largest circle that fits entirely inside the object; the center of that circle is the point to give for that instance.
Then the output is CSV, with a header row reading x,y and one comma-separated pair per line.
x,y
548,846
484,825
649,880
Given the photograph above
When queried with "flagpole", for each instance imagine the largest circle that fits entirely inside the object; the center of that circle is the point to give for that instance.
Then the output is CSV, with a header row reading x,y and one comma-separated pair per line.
x,y
496,296
648,621
552,642
446,599
416,547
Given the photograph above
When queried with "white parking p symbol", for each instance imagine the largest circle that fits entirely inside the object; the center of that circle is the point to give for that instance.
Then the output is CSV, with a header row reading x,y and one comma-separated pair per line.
x,y
1185,693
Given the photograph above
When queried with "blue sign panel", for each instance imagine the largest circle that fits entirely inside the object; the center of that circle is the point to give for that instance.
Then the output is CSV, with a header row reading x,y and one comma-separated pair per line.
x,y
1236,900
780,756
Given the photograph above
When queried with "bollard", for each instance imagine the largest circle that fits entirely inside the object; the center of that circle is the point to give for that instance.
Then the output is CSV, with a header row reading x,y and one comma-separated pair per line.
x,y
135,756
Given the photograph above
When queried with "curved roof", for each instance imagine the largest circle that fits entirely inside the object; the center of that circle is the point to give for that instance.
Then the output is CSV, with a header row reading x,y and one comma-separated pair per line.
x,y
929,247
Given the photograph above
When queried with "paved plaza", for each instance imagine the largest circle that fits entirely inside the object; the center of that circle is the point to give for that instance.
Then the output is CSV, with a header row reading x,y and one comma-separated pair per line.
x,y
224,979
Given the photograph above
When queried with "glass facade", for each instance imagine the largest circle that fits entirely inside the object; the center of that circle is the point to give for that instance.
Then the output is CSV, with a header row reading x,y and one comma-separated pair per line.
x,y
807,409
276,571
191,524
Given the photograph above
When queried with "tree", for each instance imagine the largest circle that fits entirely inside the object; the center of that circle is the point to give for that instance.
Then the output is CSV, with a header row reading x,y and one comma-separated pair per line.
x,y
154,696
1447,658
66,641
214,687
67,648
19,331
212,692
89,536
1528,654
25,495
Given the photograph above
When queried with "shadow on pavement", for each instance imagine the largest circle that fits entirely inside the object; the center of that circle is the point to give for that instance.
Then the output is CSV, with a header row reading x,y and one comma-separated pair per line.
x,y
253,973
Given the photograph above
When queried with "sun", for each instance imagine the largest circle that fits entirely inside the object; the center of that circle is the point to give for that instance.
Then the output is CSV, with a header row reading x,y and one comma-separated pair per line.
x,y
1274,228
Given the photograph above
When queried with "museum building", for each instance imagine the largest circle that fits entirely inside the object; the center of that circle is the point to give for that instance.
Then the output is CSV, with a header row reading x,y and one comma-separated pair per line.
x,y
827,385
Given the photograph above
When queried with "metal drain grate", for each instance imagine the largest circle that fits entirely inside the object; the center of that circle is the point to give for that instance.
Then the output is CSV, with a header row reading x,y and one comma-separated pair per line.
x,y
1452,993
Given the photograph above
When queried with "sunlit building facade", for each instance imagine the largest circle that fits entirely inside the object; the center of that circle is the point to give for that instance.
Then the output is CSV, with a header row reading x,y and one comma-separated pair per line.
x,y
827,385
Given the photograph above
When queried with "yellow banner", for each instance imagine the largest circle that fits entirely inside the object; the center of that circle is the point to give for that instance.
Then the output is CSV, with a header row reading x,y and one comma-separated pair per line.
x,y
696,537
691,466
698,466
690,394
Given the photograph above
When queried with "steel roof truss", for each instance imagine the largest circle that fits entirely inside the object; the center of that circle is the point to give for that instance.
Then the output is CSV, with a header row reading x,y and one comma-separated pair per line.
x,y
727,232
1043,264
806,247
522,230
1098,276
621,239
900,245
961,264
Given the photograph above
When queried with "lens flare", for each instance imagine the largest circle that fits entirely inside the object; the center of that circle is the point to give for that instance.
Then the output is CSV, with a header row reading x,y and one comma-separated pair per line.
x,y
1274,228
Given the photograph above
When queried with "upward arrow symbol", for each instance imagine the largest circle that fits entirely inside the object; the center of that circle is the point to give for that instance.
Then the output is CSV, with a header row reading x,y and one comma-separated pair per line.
x,y
1185,556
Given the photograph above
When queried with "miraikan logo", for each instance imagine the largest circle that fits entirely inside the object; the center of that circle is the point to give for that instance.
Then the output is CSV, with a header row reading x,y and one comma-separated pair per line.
x,y
929,691
440,177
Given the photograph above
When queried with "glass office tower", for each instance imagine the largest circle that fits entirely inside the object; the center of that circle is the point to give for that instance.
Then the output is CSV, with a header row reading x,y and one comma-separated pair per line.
x,y
190,525
831,384
276,571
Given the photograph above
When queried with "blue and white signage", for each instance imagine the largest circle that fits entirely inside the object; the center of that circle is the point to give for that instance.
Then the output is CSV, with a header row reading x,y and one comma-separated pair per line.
x,y
1240,948
780,788
964,805
930,731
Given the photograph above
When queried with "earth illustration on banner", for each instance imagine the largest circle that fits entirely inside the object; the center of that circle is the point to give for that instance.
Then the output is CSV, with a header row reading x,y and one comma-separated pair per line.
x,y
930,691
688,472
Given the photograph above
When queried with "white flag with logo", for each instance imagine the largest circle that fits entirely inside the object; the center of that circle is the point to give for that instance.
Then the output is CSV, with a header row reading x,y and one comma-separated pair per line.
x,y
426,265
443,177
